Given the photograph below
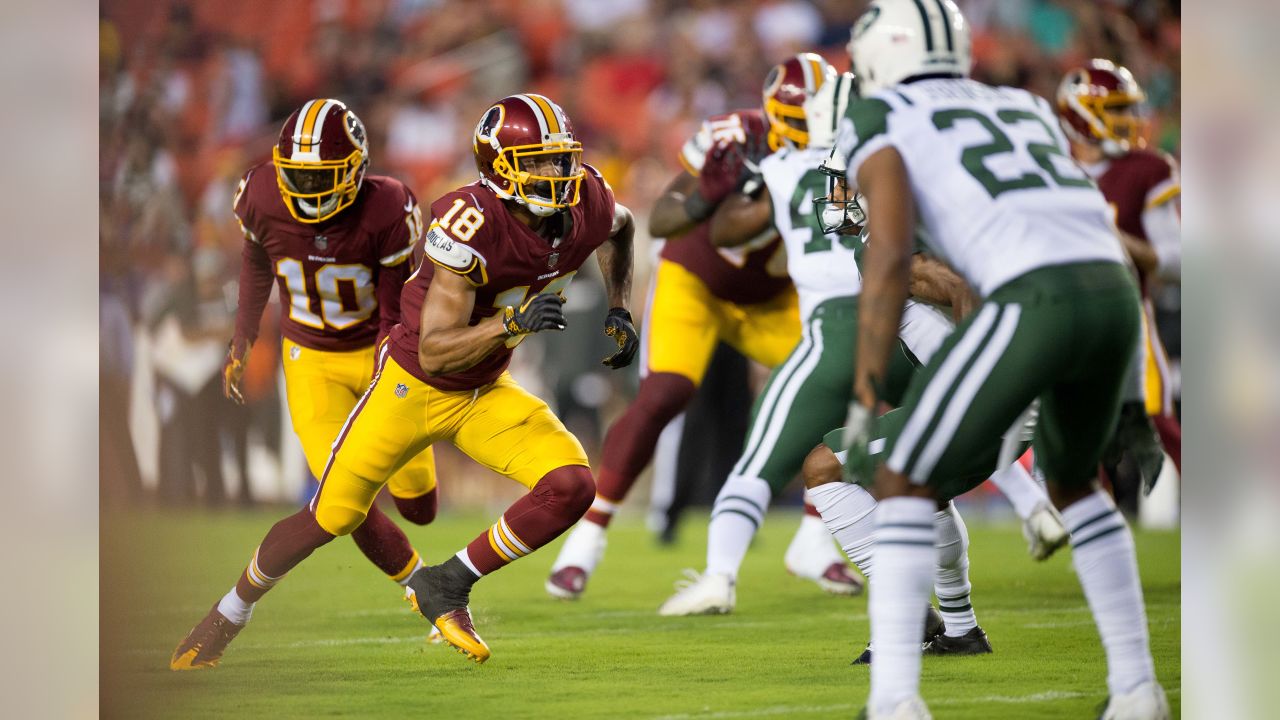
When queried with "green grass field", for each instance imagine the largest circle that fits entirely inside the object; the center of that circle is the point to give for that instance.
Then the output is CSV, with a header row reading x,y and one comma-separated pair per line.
x,y
336,640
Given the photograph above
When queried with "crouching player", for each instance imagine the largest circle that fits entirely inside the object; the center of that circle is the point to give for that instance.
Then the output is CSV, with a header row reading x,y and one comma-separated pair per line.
x,y
502,251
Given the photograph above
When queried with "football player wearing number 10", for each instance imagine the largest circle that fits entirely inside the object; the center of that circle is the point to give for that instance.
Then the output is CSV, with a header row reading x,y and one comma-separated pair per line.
x,y
499,254
986,171
339,244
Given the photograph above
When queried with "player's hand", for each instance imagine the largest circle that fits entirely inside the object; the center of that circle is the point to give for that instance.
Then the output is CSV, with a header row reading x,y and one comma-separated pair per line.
x,y
540,312
859,426
618,326
233,370
722,173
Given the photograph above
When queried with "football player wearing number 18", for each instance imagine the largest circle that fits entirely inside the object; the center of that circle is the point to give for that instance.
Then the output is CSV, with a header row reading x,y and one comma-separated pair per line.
x,y
501,252
339,244
986,172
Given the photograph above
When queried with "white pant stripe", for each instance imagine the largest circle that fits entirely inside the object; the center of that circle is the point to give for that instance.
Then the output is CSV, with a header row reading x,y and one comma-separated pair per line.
x,y
777,417
775,388
969,386
942,381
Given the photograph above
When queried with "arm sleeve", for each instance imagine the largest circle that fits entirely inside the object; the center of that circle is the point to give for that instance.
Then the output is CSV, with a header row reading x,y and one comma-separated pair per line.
x,y
255,290
694,151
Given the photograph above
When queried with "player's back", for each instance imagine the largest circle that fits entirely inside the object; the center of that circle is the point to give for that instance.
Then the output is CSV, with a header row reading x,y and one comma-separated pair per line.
x,y
996,190
328,272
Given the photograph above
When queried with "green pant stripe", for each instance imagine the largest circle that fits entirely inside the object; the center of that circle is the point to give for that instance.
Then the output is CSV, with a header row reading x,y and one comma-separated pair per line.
x,y
926,413
974,378
782,408
771,392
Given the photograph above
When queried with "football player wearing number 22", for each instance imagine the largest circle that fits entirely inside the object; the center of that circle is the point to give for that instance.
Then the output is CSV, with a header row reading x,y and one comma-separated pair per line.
x,y
502,251
339,243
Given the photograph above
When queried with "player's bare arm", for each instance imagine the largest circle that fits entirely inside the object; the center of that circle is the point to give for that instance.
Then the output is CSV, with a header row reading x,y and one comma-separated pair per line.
x,y
1141,253
934,281
615,259
740,218
886,269
446,342
669,218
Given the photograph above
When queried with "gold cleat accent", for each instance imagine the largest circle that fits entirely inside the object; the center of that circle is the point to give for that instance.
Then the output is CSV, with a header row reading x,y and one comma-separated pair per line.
x,y
457,630
203,647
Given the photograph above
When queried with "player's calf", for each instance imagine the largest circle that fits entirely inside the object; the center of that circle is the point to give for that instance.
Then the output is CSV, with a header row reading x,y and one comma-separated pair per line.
x,y
419,510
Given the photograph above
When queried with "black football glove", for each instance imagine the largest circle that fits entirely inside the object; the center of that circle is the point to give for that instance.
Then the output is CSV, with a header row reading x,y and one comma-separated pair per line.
x,y
540,312
618,326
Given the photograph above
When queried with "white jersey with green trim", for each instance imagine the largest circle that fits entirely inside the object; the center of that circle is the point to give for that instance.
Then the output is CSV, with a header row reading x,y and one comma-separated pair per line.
x,y
822,266
997,193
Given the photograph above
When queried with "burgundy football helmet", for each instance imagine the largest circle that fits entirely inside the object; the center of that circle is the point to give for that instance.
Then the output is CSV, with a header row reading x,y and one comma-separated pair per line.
x,y
320,160
526,152
1099,103
786,89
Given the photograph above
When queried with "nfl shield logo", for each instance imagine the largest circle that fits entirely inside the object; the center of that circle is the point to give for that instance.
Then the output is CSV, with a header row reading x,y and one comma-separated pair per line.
x,y
322,242
552,259
401,390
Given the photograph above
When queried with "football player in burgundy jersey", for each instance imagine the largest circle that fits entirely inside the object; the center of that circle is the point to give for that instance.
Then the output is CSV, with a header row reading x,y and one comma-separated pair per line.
x,y
704,294
1098,105
338,242
501,252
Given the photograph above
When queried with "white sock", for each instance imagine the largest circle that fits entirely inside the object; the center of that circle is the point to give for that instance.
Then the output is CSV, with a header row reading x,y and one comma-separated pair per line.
x,y
847,512
811,549
1021,489
234,608
951,577
417,565
904,563
584,547
1103,553
735,517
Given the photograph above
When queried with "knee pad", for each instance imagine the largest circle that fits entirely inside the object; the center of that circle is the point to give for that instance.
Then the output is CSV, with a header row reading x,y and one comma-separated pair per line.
x,y
419,510
570,487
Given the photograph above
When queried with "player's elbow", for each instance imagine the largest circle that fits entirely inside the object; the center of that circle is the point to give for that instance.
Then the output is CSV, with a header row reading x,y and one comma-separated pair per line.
x,y
430,359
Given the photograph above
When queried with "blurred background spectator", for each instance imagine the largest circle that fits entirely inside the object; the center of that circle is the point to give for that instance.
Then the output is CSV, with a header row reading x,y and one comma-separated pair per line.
x,y
193,92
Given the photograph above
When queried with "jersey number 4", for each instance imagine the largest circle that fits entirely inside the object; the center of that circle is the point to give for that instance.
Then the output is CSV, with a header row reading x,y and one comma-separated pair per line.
x,y
814,184
974,158
325,290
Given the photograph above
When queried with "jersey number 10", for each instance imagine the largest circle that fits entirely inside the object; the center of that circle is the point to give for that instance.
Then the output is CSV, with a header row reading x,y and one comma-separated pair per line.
x,y
325,290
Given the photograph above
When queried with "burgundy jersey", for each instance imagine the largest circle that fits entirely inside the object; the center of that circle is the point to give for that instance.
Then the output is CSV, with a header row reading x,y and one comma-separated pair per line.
x,y
1134,182
474,235
751,273
340,279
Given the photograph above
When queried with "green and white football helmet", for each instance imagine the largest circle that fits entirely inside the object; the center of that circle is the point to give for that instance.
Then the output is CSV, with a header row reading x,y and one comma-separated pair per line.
x,y
899,39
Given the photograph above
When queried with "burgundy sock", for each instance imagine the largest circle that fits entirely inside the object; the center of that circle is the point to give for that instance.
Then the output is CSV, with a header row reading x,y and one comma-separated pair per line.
x,y
287,543
384,543
629,444
809,509
420,510
554,504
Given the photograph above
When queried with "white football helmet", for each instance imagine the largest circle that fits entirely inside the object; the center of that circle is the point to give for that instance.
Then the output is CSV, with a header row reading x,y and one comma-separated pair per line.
x,y
898,39
824,109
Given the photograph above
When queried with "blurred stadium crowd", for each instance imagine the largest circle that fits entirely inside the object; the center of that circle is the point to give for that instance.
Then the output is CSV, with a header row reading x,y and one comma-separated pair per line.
x,y
193,93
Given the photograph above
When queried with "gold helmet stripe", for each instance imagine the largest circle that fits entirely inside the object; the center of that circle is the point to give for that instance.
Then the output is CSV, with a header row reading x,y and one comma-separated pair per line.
x,y
553,122
817,75
298,124
537,112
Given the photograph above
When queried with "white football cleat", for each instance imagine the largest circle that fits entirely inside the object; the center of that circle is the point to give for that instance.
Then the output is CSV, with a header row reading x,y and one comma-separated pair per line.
x,y
582,551
1044,531
701,594
813,555
1145,702
912,709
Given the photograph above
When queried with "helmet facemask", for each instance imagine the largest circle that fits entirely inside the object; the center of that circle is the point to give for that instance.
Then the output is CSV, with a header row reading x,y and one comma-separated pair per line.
x,y
839,211
544,178
316,190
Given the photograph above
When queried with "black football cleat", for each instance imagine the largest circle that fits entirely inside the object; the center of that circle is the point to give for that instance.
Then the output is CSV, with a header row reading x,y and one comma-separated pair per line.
x,y
973,642
441,593
933,627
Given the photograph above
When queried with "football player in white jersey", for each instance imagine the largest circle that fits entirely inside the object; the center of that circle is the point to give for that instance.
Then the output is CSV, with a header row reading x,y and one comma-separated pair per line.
x,y
986,173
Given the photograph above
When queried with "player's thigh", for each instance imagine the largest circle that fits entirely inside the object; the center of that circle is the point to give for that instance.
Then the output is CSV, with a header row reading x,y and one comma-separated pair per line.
x,y
1078,415
415,478
513,433
321,388
973,390
682,325
765,332
805,396
387,427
